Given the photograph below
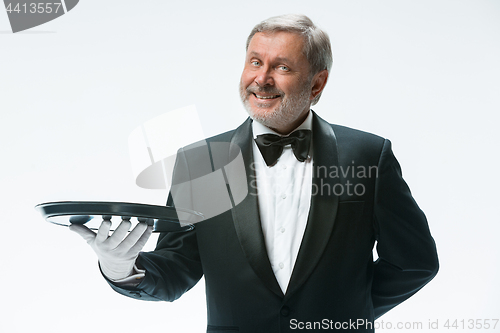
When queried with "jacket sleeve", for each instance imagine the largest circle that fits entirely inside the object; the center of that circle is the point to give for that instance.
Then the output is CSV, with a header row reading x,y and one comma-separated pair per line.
x,y
173,267
407,252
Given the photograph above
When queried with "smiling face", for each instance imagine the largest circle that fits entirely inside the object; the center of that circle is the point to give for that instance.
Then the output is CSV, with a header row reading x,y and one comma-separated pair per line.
x,y
275,85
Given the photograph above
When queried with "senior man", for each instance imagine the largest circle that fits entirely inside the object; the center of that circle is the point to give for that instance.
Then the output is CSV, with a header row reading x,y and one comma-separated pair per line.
x,y
297,251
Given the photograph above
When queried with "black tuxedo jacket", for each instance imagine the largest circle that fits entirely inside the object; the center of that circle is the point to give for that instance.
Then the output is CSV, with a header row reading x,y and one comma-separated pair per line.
x,y
335,281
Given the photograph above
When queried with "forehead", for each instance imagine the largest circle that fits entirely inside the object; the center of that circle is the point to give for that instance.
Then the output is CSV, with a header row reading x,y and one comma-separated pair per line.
x,y
278,44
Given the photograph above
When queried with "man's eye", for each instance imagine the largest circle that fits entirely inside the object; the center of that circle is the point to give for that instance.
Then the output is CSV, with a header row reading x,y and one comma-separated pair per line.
x,y
284,68
255,63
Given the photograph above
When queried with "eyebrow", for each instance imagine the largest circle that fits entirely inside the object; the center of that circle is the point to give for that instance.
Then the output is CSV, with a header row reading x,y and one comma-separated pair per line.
x,y
278,59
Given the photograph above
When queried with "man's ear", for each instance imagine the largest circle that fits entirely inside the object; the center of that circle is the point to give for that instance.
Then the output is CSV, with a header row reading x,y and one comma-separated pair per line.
x,y
318,83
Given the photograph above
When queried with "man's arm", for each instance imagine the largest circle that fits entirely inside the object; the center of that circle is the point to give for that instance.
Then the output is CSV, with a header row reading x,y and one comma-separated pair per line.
x,y
174,266
171,269
406,249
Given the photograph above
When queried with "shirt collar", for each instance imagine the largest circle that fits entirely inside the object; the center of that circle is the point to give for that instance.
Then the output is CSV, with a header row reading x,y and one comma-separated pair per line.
x,y
259,129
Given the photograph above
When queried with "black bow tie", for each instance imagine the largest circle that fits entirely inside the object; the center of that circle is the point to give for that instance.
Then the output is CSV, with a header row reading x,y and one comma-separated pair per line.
x,y
271,145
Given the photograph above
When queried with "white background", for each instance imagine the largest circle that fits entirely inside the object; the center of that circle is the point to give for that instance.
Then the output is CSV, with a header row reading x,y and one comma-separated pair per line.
x,y
424,74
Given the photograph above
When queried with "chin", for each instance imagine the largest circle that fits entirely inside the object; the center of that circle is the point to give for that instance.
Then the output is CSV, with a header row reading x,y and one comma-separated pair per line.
x,y
278,117
273,118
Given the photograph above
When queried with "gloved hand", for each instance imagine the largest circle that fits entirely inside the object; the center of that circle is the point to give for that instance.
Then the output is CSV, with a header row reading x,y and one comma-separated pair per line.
x,y
116,253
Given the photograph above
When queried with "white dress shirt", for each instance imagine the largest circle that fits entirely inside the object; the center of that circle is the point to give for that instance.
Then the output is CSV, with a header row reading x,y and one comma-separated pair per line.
x,y
284,197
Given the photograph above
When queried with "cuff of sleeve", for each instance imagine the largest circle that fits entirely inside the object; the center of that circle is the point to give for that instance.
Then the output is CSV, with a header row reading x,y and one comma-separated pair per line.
x,y
132,280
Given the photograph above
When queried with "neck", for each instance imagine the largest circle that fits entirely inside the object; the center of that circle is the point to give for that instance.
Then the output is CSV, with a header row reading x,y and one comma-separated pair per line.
x,y
289,127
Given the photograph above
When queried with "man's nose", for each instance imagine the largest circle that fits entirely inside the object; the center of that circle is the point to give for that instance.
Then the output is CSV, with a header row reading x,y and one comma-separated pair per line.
x,y
263,77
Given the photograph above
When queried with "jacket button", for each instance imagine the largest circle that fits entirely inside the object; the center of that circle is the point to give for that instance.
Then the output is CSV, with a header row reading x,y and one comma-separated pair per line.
x,y
285,311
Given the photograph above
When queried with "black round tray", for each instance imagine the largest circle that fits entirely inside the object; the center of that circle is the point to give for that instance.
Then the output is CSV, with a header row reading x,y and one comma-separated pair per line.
x,y
92,213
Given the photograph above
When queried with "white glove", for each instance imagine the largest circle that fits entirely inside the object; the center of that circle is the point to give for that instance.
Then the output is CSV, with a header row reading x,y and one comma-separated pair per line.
x,y
116,253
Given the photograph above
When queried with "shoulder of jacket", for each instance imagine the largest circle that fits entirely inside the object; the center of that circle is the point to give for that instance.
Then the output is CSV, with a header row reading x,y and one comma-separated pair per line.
x,y
352,133
350,139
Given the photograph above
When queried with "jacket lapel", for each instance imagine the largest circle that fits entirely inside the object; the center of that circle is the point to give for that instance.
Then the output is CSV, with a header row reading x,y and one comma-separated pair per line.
x,y
323,206
246,214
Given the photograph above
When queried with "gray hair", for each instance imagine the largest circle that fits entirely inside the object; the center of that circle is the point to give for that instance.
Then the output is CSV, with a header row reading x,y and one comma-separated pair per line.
x,y
317,48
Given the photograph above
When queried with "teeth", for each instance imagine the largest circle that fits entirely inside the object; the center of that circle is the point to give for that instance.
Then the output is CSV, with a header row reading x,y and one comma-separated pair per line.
x,y
266,97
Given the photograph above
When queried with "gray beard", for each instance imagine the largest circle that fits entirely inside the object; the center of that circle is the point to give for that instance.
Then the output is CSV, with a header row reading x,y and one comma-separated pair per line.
x,y
290,108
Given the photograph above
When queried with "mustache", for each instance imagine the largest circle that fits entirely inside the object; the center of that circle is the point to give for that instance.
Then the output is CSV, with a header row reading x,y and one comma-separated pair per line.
x,y
265,89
